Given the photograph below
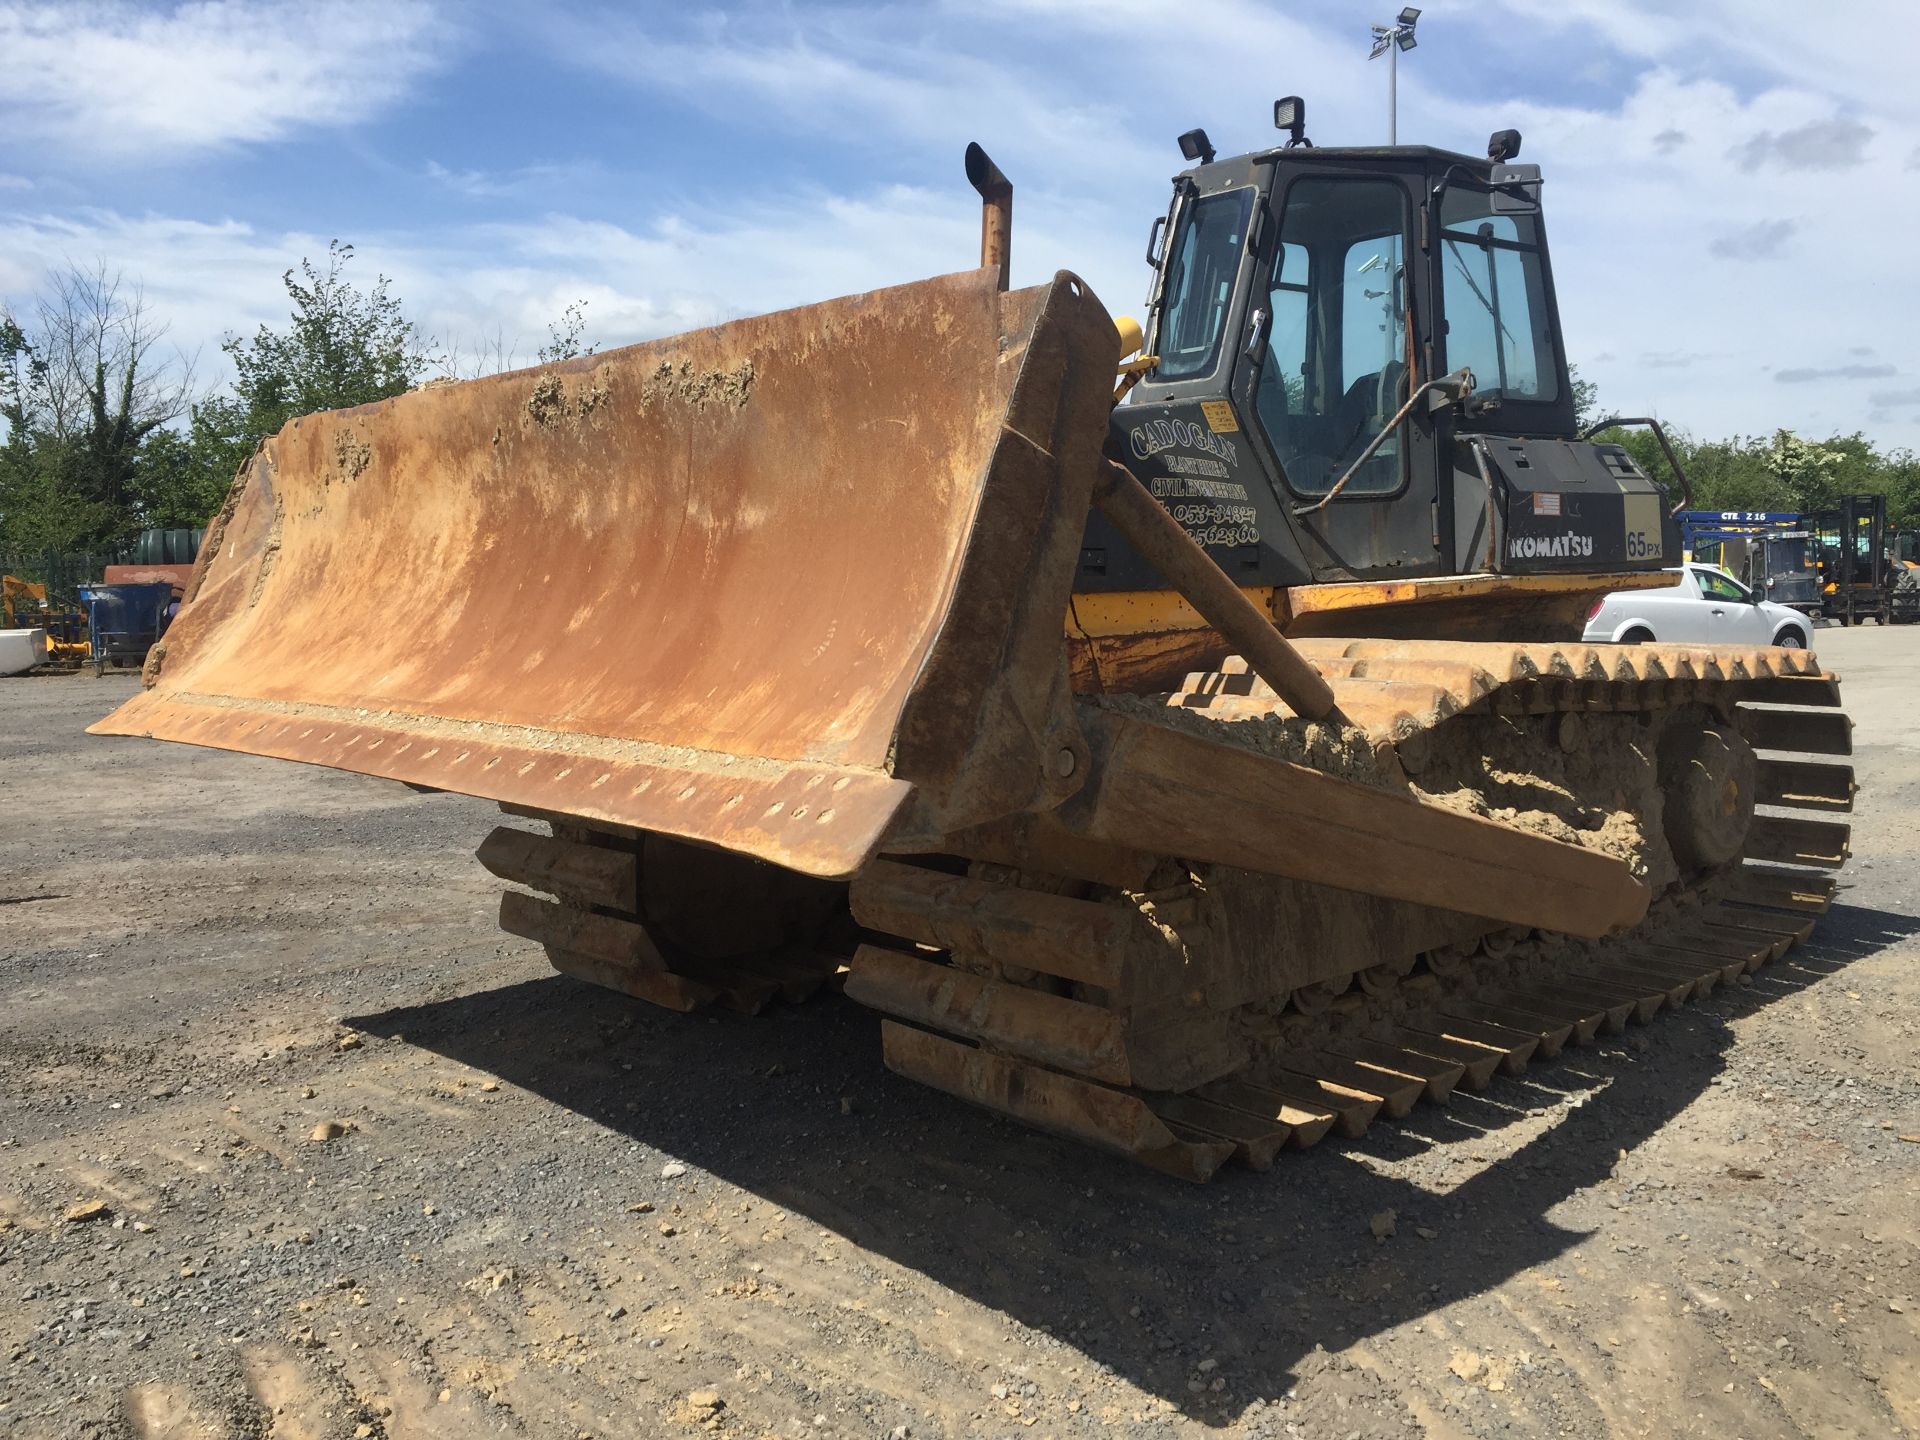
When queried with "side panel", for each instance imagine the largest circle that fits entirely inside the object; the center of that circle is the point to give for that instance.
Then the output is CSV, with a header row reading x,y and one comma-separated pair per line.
x,y
1572,507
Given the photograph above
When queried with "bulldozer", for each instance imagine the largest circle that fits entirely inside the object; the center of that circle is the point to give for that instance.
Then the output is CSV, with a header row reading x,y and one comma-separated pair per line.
x,y
1175,729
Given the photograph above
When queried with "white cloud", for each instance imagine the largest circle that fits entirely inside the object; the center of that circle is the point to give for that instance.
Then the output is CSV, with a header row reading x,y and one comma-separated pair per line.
x,y
495,287
1708,218
1834,144
201,279
518,182
1644,174
1761,240
893,82
1808,373
123,83
1852,50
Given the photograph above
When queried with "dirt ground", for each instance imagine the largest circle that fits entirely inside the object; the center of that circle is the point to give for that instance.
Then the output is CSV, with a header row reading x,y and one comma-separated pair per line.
x,y
538,1209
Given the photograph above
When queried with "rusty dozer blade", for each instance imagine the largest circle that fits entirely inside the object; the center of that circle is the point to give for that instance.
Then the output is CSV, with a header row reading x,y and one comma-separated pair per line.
x,y
757,586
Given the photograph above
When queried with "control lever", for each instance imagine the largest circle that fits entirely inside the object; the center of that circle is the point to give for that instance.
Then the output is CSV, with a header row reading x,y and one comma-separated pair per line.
x,y
1449,389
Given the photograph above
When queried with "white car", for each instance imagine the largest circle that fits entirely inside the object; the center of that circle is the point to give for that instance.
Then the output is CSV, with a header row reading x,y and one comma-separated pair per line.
x,y
1706,606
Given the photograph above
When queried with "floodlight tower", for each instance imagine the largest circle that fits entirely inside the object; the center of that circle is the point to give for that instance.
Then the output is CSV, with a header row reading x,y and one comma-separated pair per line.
x,y
1390,40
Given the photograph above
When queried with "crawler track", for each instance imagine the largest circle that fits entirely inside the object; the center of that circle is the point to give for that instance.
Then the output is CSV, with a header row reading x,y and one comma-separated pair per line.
x,y
1375,1058
1199,1016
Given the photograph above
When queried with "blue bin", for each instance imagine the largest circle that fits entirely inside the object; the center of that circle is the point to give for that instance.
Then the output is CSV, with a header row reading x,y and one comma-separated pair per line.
x,y
124,621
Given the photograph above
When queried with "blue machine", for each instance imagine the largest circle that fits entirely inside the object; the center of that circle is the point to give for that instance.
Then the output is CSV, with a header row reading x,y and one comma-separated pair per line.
x,y
1776,549
124,621
1701,529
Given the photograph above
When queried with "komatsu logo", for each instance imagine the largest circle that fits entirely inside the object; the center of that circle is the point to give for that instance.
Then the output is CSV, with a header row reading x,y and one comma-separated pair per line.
x,y
1551,547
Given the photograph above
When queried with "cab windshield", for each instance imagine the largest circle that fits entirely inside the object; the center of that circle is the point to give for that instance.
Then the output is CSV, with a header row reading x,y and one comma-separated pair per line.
x,y
1493,290
1201,263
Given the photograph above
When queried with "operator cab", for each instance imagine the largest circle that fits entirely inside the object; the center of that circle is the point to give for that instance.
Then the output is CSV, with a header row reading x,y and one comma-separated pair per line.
x,y
1317,317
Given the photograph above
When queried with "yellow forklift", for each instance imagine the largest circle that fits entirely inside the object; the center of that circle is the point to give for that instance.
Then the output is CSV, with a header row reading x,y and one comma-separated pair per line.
x,y
1856,578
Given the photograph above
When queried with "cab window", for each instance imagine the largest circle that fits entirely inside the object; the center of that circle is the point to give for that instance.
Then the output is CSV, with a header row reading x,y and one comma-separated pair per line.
x,y
1335,370
1493,294
1201,264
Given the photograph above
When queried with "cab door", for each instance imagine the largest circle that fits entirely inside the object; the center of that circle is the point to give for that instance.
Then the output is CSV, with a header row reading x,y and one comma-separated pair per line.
x,y
1340,290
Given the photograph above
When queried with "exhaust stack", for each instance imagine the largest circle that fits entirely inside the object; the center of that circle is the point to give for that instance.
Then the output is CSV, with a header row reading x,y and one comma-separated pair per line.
x,y
996,212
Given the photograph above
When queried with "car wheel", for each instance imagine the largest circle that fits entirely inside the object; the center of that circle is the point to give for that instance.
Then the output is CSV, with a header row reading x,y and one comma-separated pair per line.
x,y
1790,639
1639,635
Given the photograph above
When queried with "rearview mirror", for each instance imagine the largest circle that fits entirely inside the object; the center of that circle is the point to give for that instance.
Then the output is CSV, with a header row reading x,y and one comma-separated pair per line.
x,y
1516,189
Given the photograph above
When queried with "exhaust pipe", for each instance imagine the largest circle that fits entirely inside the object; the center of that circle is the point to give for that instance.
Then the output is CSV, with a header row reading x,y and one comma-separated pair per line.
x,y
996,212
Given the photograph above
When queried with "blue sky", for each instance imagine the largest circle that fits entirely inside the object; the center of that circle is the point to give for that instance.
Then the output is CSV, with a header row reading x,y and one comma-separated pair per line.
x,y
1731,188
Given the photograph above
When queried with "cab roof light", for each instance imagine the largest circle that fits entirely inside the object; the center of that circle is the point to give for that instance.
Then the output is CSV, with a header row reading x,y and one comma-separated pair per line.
x,y
1290,115
1196,147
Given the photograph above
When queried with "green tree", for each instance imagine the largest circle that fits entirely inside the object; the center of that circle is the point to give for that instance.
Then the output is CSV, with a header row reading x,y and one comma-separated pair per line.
x,y
343,347
1586,398
176,488
1902,471
1813,474
1737,474
83,387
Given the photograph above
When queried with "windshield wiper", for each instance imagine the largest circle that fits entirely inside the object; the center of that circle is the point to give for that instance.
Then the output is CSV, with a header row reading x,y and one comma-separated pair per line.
x,y
1478,293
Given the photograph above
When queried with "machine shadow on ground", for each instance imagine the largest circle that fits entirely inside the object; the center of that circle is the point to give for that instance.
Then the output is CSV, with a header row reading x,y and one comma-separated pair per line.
x,y
1143,1275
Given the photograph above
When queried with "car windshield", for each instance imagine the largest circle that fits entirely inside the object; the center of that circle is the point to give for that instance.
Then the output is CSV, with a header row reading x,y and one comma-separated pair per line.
x,y
1494,289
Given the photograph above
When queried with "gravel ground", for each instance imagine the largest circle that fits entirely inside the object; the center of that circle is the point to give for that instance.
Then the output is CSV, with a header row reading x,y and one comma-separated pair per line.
x,y
294,1143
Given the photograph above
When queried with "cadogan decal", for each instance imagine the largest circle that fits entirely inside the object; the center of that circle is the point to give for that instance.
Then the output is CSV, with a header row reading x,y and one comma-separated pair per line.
x,y
1151,438
1179,487
1194,465
1219,524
